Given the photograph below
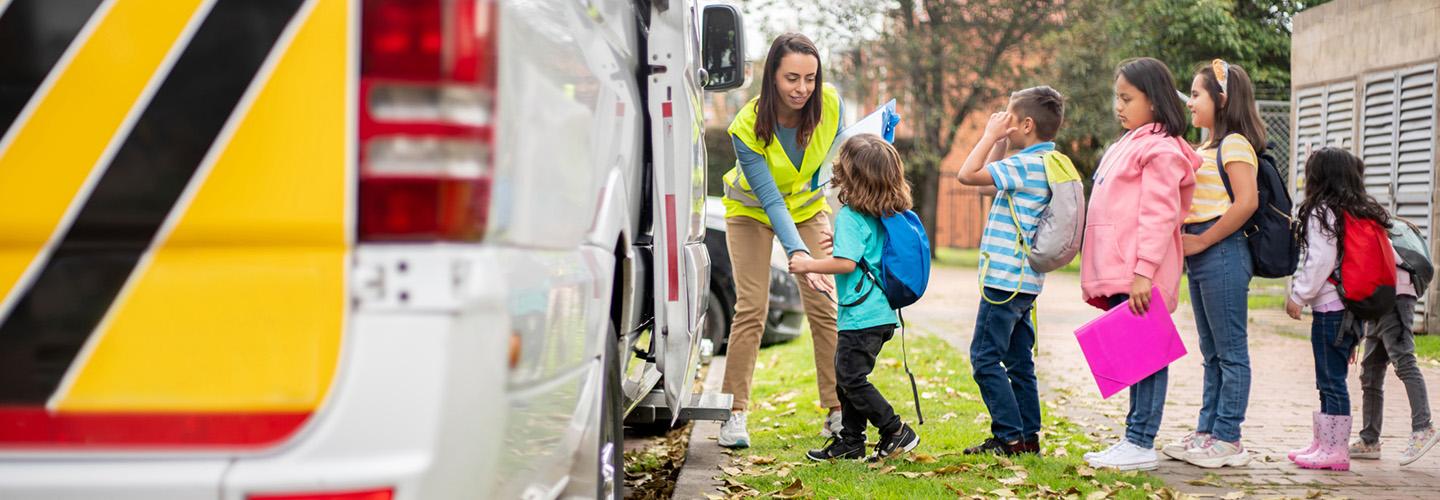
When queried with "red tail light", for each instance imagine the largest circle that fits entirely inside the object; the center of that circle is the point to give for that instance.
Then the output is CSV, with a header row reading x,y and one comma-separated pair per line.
x,y
427,91
385,494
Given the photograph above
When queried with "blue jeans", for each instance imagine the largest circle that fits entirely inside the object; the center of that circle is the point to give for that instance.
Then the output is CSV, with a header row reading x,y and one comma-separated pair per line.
x,y
1004,336
1147,399
1331,362
1219,287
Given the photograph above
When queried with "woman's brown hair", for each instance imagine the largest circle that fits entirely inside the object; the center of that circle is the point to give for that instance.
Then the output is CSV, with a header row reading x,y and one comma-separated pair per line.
x,y
767,110
1239,114
871,177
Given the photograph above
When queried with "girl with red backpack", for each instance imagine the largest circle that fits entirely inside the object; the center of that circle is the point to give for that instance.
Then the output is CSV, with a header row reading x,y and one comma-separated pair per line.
x,y
1347,276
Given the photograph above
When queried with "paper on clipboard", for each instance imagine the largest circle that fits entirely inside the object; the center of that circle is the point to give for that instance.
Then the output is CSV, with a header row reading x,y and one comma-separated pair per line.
x,y
881,122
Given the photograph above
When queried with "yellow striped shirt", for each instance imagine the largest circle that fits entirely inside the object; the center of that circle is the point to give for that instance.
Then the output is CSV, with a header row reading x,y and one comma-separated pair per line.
x,y
1211,200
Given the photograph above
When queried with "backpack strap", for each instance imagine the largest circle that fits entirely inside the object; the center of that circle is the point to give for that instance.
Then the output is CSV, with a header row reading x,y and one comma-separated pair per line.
x,y
905,360
865,271
1020,242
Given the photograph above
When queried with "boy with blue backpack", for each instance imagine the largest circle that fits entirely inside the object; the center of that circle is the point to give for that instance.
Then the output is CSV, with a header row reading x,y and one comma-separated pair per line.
x,y
1000,351
881,262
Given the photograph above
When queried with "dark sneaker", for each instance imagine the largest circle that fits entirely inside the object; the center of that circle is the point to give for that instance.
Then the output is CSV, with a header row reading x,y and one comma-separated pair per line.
x,y
1030,445
837,449
895,444
993,446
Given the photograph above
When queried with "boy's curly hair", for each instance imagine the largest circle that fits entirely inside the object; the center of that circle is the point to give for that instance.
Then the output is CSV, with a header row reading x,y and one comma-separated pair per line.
x,y
871,177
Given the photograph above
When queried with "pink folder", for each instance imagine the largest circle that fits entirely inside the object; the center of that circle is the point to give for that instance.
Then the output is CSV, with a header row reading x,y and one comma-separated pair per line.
x,y
1123,348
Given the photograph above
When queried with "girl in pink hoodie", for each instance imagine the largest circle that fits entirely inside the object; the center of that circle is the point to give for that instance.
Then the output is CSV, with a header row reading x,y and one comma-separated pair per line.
x,y
1141,195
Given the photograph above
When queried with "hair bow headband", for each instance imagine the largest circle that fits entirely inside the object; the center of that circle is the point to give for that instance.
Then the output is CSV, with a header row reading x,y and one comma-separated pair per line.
x,y
1222,74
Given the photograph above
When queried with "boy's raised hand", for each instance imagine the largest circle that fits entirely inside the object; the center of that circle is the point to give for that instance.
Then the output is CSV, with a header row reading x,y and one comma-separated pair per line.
x,y
999,126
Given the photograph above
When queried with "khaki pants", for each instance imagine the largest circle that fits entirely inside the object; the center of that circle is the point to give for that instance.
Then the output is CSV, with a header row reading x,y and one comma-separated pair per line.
x,y
750,243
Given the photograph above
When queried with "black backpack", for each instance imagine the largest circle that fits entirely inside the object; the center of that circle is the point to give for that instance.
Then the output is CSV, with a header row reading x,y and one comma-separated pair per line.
x,y
1270,230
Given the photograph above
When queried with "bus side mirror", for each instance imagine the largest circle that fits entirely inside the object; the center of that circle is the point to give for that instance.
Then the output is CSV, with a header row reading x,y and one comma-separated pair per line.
x,y
722,48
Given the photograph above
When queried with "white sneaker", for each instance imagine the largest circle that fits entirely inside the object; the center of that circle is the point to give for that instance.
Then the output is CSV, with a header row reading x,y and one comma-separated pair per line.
x,y
1420,443
1176,450
1106,451
1126,457
1359,449
832,426
733,433
1216,454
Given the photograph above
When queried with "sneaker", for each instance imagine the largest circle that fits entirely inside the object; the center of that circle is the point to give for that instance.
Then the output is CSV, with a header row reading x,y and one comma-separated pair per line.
x,y
992,446
1176,450
895,444
1096,454
1215,454
1420,443
1127,456
733,433
1367,451
831,427
1028,446
836,449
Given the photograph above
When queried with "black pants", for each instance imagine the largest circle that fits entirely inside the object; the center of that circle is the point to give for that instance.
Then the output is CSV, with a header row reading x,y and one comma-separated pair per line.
x,y
860,401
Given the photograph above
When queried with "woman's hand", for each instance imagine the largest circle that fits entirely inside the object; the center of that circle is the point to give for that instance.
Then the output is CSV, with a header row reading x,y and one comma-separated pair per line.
x,y
1193,244
1140,295
1292,308
800,263
827,241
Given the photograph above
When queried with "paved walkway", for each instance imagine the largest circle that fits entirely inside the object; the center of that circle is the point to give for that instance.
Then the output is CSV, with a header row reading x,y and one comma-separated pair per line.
x,y
1282,395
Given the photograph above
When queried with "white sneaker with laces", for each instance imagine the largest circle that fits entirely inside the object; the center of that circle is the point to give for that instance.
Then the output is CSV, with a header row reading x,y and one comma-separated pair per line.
x,y
1216,454
1176,449
1106,451
733,433
832,426
1127,457
1420,443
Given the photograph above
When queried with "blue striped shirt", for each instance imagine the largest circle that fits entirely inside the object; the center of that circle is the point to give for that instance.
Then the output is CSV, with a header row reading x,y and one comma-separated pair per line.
x,y
1022,176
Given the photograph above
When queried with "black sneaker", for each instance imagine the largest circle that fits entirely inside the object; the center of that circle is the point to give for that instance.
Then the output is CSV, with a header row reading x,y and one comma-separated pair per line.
x,y
995,446
1029,445
895,444
837,449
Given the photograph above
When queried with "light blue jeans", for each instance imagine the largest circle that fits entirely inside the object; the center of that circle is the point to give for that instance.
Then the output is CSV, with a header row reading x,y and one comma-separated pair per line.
x,y
1219,288
1147,399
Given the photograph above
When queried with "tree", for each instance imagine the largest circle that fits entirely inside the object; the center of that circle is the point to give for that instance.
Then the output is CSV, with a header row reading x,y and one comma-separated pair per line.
x,y
1184,34
952,59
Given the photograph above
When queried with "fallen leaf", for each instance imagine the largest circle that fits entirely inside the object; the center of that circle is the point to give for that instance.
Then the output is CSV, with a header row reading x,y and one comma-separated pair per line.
x,y
731,471
1012,481
1234,495
1204,482
910,475
1097,495
1002,492
952,469
1315,494
888,469
783,472
795,490
1004,461
1083,471
921,458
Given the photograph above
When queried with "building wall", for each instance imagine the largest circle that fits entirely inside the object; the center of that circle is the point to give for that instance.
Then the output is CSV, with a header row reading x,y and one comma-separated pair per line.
x,y
1363,76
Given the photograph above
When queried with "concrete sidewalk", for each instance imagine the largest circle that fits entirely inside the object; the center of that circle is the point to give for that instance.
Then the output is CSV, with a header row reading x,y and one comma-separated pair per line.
x,y
1282,396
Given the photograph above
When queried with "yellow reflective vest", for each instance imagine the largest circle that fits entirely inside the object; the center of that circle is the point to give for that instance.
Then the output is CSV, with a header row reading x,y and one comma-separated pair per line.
x,y
802,197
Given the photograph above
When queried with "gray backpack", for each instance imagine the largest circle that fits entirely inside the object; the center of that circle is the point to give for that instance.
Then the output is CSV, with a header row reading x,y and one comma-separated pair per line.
x,y
1062,223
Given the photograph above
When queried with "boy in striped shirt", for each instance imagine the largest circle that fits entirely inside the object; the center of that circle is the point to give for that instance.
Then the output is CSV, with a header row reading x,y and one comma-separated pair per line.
x,y
1000,350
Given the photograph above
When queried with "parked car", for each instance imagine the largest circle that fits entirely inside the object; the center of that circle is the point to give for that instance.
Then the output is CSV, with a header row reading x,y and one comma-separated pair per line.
x,y
786,314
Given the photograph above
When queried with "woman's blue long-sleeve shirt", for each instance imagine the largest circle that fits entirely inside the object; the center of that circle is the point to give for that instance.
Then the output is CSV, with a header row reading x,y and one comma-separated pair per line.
x,y
757,172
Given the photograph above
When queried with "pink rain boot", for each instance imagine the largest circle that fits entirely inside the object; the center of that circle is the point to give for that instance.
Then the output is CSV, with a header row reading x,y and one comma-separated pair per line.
x,y
1334,450
1314,438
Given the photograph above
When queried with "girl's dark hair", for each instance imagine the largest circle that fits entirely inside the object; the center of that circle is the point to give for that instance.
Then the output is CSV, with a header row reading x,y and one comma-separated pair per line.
x,y
1154,80
1238,114
871,177
1334,182
768,108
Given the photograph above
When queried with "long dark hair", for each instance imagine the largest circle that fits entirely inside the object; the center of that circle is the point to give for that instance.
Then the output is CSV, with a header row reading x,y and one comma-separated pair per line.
x,y
767,110
1334,183
1238,114
1154,79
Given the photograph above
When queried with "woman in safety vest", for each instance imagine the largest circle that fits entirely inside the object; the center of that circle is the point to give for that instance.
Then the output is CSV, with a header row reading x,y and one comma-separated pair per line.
x,y
781,138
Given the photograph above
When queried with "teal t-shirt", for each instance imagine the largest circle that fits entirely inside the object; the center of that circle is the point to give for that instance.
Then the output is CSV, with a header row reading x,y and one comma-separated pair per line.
x,y
859,236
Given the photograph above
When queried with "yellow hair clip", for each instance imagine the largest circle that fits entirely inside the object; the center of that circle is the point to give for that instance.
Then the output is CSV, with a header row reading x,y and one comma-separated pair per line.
x,y
1222,73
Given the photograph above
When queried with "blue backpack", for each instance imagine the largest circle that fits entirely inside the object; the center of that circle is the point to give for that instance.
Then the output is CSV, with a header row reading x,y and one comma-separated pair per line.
x,y
904,269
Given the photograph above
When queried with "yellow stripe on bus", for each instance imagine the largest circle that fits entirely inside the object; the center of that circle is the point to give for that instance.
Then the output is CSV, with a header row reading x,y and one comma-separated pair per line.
x,y
242,308
52,155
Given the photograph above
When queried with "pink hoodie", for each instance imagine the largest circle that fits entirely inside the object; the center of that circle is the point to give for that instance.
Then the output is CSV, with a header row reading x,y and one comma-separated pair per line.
x,y
1142,192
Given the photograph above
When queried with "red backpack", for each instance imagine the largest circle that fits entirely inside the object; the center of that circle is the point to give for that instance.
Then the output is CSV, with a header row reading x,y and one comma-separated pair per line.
x,y
1365,277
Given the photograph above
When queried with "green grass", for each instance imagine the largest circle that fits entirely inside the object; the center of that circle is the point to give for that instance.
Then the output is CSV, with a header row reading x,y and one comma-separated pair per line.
x,y
785,422
1427,347
970,257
